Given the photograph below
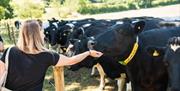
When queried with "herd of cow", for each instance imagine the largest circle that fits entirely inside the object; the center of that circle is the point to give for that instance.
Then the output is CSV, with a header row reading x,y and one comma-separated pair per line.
x,y
143,52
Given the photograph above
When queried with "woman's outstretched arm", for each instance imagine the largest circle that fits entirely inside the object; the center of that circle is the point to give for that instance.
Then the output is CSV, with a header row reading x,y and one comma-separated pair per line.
x,y
64,60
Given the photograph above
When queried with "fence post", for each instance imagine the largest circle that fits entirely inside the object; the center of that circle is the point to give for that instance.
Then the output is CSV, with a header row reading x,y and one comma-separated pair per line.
x,y
59,78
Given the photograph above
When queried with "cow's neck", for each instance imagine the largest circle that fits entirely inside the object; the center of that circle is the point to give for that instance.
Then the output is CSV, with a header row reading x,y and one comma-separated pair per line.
x,y
132,53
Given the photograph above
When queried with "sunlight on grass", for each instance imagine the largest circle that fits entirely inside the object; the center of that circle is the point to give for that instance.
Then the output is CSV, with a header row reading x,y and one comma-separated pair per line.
x,y
72,87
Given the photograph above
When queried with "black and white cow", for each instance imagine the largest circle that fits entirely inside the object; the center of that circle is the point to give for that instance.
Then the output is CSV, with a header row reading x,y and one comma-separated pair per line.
x,y
126,42
50,31
56,32
171,57
17,24
83,34
110,72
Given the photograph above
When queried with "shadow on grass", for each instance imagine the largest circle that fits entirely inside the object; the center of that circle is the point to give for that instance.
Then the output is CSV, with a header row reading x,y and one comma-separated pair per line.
x,y
80,80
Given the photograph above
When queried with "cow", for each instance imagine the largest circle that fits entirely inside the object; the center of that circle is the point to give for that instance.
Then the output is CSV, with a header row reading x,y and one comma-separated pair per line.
x,y
171,56
129,44
83,34
56,31
51,31
166,24
17,24
82,46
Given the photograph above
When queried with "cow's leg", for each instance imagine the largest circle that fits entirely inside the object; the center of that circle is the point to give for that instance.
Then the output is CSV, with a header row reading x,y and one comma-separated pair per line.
x,y
121,82
93,70
102,76
128,86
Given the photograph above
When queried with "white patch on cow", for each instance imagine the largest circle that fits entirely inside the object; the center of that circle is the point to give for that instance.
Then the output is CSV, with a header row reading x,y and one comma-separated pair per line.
x,y
108,20
128,86
70,25
69,47
92,37
45,25
119,22
174,47
69,52
82,30
135,21
86,25
79,41
74,22
89,20
55,24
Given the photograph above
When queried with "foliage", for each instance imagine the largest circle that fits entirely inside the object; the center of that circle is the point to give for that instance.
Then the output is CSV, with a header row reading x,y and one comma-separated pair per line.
x,y
2,12
28,9
63,8
68,8
6,10
104,6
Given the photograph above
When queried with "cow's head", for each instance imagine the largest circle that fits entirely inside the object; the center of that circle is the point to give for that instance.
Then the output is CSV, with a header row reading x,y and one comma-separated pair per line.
x,y
50,31
80,46
155,72
64,33
76,39
119,40
172,58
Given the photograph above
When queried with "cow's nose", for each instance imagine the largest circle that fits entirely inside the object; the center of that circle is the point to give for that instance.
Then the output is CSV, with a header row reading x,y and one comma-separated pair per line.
x,y
92,43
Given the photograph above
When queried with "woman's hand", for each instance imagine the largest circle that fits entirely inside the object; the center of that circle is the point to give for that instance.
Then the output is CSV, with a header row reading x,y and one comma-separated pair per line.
x,y
94,53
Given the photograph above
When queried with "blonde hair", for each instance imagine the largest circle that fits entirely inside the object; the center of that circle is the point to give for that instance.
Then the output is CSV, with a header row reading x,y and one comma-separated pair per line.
x,y
30,37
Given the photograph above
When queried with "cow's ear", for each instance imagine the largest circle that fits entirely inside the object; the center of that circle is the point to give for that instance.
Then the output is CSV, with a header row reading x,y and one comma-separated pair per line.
x,y
155,51
139,26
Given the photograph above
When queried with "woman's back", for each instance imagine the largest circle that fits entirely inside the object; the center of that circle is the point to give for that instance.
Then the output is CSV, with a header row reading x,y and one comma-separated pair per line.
x,y
29,61
28,70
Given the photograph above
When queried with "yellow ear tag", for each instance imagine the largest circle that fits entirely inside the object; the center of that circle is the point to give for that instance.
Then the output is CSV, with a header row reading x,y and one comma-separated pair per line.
x,y
155,53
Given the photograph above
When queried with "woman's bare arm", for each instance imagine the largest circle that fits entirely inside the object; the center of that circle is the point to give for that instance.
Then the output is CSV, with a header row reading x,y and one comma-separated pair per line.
x,y
1,46
2,68
64,60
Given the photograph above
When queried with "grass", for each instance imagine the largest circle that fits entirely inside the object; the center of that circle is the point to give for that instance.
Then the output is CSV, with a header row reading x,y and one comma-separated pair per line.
x,y
80,80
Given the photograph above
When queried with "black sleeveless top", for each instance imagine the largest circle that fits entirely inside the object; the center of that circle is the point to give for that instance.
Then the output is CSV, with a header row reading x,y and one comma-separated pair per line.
x,y
1,39
27,71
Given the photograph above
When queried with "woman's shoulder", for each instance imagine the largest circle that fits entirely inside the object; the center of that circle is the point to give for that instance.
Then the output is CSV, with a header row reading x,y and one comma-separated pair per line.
x,y
16,50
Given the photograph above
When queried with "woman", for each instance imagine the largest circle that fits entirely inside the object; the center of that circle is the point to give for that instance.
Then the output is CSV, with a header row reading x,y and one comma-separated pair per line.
x,y
1,44
29,60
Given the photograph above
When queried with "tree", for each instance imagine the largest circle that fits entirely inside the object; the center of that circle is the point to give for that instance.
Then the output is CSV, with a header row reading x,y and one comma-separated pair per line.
x,y
28,9
2,12
6,10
